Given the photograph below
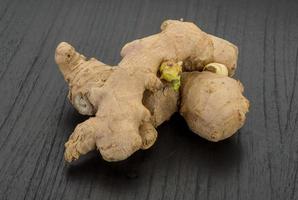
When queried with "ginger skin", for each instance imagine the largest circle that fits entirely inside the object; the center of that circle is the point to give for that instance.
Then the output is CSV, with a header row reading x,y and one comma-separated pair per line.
x,y
129,101
212,104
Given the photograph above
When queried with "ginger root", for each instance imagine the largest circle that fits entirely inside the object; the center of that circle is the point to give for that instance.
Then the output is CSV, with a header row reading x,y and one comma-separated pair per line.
x,y
127,102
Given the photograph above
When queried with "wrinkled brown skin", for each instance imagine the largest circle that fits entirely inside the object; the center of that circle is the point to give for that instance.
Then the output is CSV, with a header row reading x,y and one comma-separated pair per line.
x,y
162,104
129,100
225,53
82,76
212,104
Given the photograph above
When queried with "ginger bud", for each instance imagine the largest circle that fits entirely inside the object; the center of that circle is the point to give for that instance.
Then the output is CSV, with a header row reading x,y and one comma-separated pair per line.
x,y
217,68
171,72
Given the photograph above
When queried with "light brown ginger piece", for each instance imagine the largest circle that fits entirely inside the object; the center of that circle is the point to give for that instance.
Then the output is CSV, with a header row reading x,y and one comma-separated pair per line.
x,y
212,104
125,117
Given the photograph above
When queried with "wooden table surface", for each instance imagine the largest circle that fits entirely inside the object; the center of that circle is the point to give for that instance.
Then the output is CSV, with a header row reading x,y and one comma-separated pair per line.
x,y
36,119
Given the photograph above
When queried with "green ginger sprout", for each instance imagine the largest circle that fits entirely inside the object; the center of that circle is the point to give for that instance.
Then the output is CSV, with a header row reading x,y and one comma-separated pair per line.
x,y
171,71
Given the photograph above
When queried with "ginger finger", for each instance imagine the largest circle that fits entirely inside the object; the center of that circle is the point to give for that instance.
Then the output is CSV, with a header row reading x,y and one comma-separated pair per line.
x,y
82,76
148,135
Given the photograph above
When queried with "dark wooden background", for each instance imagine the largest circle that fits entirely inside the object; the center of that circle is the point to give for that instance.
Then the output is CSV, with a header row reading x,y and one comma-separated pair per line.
x,y
260,162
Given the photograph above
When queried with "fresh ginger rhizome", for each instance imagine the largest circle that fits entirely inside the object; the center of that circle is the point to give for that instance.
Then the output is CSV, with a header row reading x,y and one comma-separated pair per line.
x,y
179,69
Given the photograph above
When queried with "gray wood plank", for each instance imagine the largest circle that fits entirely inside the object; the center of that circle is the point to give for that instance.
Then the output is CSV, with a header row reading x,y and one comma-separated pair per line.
x,y
260,162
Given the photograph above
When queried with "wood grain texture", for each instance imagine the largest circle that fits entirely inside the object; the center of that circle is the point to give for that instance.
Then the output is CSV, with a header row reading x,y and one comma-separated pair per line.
x,y
260,162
